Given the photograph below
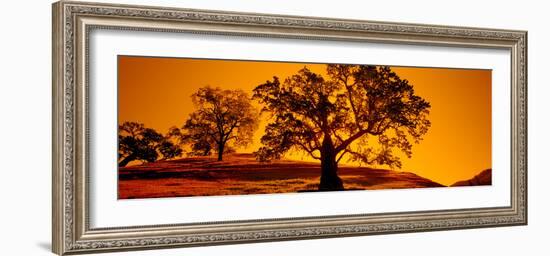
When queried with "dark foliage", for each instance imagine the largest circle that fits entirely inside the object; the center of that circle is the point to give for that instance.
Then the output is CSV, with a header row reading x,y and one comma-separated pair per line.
x,y
137,142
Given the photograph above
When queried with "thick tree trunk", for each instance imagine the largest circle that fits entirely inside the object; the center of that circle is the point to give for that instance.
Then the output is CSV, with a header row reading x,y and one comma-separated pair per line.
x,y
127,160
329,168
220,151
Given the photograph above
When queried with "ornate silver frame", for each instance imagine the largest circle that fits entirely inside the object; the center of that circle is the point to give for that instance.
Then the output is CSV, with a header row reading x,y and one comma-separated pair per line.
x,y
72,21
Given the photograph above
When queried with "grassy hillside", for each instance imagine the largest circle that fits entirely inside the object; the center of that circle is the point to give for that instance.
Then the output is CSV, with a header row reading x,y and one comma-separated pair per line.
x,y
242,174
484,178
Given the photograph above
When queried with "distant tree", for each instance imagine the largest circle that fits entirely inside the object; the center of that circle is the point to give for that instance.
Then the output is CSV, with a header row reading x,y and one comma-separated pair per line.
x,y
139,143
329,118
224,120
169,150
176,136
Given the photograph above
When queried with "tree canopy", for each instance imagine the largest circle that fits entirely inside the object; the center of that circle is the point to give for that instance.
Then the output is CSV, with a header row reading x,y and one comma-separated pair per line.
x,y
136,142
340,114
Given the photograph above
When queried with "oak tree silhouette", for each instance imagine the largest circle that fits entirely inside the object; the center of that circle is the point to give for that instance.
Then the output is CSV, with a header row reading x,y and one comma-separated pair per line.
x,y
136,142
340,115
223,120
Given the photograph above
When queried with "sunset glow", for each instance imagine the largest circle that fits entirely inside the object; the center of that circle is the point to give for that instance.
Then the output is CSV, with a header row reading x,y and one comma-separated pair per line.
x,y
157,92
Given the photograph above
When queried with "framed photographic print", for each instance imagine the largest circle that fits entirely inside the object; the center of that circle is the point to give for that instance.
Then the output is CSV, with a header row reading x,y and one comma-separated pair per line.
x,y
178,127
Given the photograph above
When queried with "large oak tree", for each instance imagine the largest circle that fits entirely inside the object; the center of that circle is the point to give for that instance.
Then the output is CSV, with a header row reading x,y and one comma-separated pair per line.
x,y
362,111
223,120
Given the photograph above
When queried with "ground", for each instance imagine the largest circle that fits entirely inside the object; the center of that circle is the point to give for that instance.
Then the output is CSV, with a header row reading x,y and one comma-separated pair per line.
x,y
484,178
242,174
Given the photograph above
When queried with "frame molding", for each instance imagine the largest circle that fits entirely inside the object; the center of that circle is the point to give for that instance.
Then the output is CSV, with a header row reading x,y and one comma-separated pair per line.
x,y
72,22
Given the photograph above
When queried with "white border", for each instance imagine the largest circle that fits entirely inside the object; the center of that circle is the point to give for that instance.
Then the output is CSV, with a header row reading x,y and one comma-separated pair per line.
x,y
107,211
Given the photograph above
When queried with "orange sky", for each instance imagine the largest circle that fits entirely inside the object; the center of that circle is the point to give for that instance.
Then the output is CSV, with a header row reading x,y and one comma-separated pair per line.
x,y
156,92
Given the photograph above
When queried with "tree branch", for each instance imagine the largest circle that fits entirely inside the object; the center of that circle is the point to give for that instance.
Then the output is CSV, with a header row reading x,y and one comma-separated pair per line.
x,y
308,150
226,136
351,139
342,155
352,104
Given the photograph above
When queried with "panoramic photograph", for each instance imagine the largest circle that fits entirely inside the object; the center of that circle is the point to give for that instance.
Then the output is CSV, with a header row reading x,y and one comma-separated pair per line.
x,y
207,127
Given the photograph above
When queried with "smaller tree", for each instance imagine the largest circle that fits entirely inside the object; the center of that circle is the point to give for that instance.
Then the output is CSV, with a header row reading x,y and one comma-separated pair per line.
x,y
136,142
224,120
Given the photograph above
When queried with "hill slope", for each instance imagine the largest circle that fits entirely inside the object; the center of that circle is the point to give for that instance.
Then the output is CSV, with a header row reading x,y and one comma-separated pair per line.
x,y
242,174
483,178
